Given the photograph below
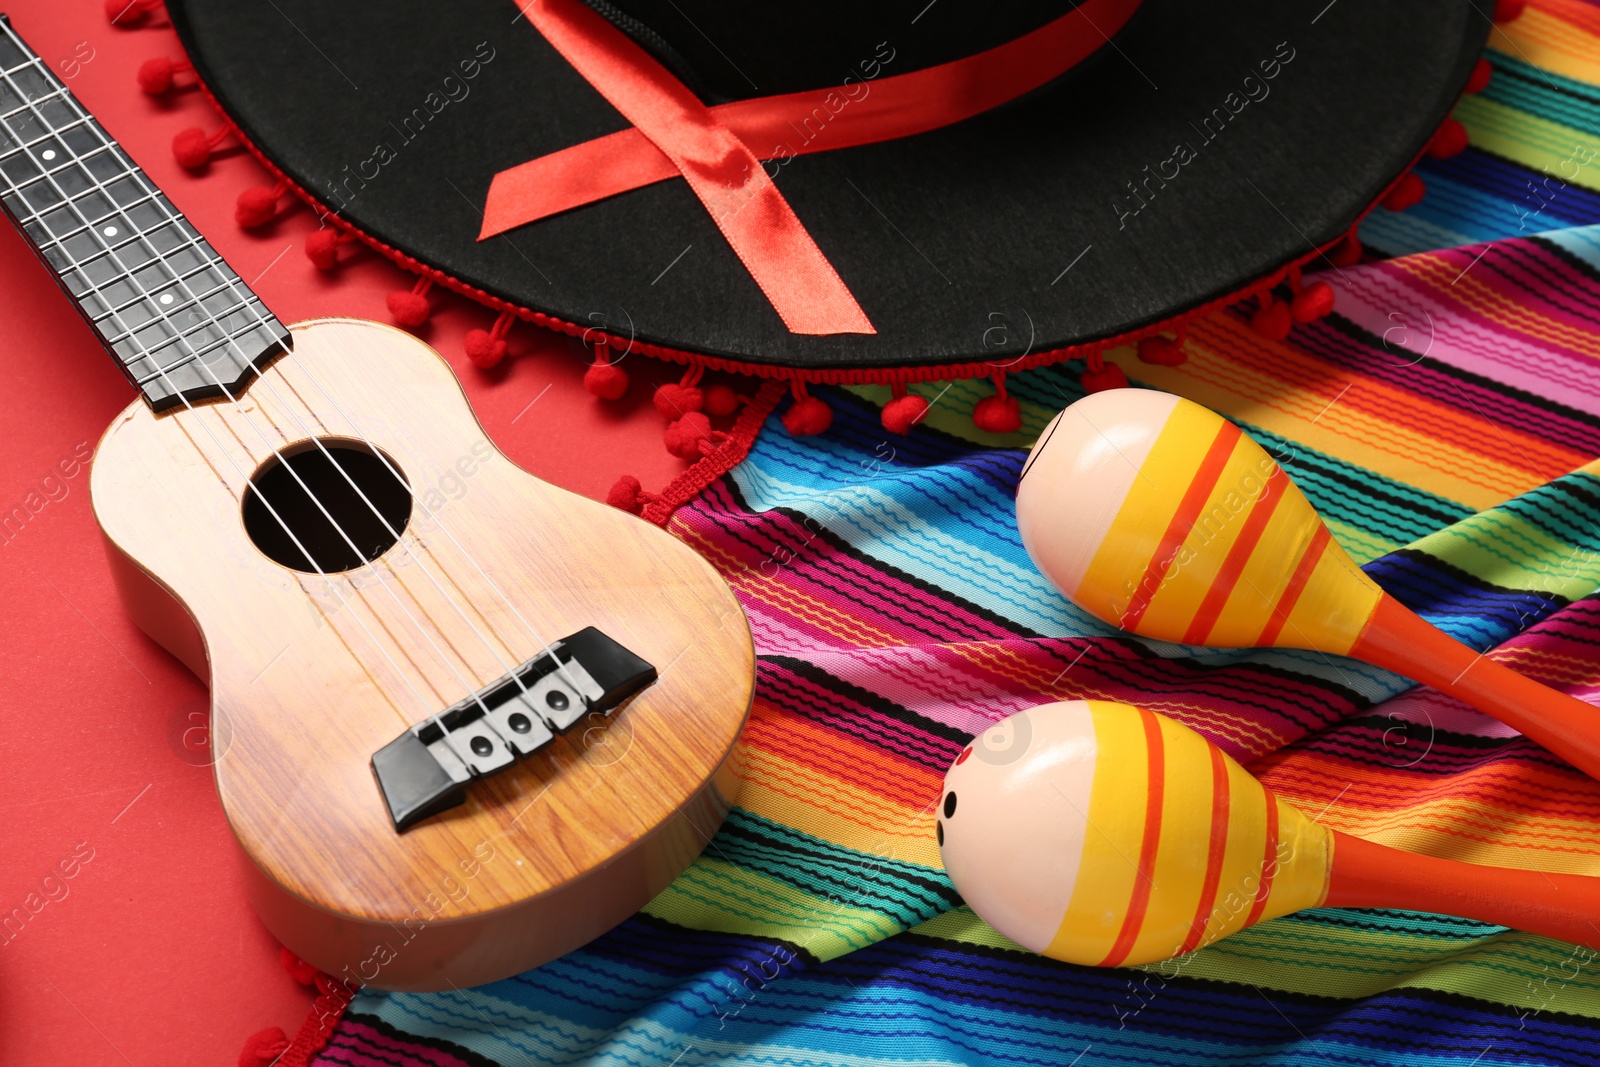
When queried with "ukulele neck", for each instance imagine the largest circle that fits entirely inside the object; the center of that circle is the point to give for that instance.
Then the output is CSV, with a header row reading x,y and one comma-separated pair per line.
x,y
179,322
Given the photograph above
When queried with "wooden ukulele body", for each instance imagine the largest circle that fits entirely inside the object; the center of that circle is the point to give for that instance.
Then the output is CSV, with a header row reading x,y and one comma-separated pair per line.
x,y
310,674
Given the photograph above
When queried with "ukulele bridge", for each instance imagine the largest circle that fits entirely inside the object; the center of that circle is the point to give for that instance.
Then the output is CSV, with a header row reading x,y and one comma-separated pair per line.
x,y
426,770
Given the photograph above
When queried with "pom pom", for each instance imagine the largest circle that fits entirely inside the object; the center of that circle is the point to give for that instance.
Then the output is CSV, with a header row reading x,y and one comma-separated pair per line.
x,y
264,1047
1450,140
684,437
256,206
192,148
998,414
720,399
322,249
155,75
807,417
1508,10
1109,376
127,12
606,381
408,308
1478,81
625,495
1273,321
1312,303
1407,193
904,412
675,401
1347,253
1162,352
298,969
483,348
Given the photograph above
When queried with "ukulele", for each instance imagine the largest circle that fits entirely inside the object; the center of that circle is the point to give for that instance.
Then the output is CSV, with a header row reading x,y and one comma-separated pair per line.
x,y
462,721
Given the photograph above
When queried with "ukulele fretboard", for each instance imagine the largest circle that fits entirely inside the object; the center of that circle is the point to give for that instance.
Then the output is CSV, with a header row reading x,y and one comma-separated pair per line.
x,y
181,323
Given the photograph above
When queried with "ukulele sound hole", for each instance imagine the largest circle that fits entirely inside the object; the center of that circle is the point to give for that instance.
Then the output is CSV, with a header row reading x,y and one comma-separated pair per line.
x,y
340,503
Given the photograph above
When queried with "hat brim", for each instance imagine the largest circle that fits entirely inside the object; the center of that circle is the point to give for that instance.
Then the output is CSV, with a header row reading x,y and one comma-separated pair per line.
x,y
1165,173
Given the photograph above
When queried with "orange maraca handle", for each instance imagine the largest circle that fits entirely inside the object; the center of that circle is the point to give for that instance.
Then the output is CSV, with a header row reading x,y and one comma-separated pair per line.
x,y
1369,875
1397,640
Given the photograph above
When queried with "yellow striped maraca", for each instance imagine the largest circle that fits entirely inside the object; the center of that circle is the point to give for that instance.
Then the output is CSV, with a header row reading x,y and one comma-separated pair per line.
x,y
1104,834
1160,517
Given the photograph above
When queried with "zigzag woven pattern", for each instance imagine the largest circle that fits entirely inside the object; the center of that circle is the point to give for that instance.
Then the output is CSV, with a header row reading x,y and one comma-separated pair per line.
x,y
1438,421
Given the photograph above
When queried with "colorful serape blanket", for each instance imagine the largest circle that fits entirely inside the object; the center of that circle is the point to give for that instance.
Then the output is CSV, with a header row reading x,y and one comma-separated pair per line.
x,y
1441,421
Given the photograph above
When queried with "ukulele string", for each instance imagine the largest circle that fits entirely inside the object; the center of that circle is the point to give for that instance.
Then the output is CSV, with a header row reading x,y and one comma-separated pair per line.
x,y
152,194
506,667
116,312
332,522
433,515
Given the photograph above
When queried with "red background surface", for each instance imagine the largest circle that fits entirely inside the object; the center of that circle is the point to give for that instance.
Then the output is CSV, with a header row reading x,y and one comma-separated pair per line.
x,y
154,955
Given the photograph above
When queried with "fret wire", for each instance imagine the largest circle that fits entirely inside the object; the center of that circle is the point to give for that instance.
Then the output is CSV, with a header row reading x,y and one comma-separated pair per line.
x,y
85,121
151,296
193,241
198,244
61,92
229,337
217,316
39,217
194,353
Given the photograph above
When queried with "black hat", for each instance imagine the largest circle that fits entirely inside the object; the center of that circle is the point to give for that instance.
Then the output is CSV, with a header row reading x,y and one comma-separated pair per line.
x,y
941,188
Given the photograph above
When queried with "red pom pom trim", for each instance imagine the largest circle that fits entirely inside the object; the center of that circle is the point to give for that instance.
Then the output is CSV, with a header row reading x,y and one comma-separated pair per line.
x,y
192,148
721,400
1407,193
1001,413
691,436
904,412
1162,352
1272,319
604,378
258,205
627,494
675,400
264,1047
1098,380
155,76
1509,10
322,247
411,307
1348,252
1478,81
1451,139
807,416
486,348
126,13
1313,302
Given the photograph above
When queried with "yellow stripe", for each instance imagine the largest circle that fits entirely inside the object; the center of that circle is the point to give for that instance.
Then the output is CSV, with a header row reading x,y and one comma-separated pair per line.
x,y
1111,842
1131,543
1194,571
1305,859
1266,576
1186,803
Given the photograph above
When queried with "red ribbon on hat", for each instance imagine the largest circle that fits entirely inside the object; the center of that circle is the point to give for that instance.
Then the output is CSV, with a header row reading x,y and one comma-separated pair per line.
x,y
720,150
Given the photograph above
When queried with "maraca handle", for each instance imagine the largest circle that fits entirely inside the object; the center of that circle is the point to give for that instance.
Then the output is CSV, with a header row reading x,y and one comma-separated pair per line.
x,y
1397,640
1369,875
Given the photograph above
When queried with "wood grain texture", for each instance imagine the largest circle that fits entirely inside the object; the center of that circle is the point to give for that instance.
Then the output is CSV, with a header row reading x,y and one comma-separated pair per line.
x,y
313,674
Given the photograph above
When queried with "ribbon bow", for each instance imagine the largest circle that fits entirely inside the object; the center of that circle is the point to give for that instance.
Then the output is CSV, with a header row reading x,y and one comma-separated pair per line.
x,y
720,150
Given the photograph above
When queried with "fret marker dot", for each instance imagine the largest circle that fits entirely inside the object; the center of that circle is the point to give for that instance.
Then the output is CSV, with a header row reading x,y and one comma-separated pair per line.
x,y
166,298
110,231
48,154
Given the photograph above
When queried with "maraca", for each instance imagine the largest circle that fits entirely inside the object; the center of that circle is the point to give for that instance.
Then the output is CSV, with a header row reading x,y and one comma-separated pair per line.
x,y
1104,834
1164,519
